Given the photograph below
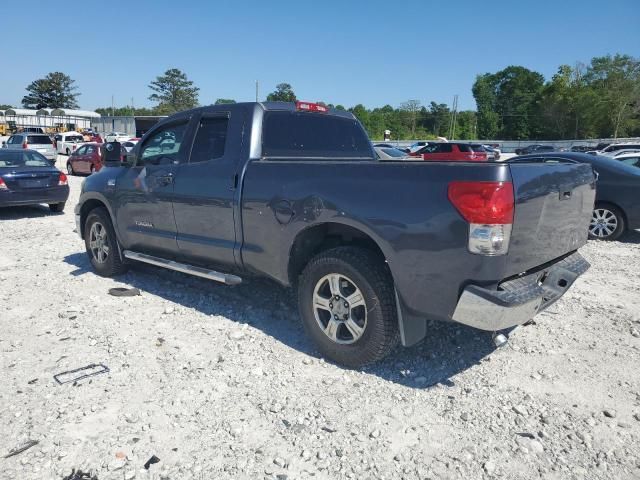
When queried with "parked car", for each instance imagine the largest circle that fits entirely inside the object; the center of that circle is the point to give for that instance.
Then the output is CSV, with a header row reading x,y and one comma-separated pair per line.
x,y
117,137
617,203
492,150
632,159
68,142
391,153
38,142
624,151
611,149
31,130
373,248
450,151
86,159
414,147
28,178
582,148
535,149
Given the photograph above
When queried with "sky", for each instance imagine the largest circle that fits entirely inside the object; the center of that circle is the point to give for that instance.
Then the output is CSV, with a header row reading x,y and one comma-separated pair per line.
x,y
341,52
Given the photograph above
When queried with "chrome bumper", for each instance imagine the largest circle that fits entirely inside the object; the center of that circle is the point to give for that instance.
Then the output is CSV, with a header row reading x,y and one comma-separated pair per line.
x,y
516,301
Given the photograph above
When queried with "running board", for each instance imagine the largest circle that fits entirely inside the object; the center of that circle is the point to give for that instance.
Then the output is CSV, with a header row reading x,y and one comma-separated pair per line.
x,y
184,268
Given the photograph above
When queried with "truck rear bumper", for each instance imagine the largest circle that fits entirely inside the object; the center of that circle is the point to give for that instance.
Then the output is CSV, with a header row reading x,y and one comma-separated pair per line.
x,y
516,301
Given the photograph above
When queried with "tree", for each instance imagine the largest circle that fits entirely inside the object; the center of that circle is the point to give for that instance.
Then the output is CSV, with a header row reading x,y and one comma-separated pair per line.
x,y
174,92
5,107
282,93
485,96
411,108
56,90
616,81
221,101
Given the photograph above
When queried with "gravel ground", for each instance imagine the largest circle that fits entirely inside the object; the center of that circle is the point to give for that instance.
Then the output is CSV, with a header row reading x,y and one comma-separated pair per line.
x,y
221,382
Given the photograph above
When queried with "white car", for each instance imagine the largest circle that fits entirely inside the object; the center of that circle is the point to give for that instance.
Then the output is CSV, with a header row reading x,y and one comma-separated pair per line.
x,y
612,149
117,137
632,159
68,142
625,151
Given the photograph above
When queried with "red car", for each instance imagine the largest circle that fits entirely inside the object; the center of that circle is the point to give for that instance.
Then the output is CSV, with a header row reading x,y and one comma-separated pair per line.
x,y
86,159
450,152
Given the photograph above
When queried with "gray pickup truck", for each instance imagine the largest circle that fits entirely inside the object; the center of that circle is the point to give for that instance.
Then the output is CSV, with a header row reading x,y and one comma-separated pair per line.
x,y
373,248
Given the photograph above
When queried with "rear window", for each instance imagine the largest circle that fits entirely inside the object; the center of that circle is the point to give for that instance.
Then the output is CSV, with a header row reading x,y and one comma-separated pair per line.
x,y
464,148
39,139
313,135
74,138
22,159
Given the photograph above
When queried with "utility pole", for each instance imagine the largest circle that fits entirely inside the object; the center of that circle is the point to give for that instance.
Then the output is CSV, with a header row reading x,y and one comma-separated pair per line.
x,y
256,90
112,105
454,113
133,109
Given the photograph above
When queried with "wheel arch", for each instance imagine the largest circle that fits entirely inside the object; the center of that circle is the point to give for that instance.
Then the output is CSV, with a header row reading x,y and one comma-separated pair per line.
x,y
91,203
317,238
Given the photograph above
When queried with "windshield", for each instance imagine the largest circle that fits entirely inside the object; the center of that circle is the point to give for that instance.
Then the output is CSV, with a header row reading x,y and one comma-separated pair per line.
x,y
394,152
39,140
13,159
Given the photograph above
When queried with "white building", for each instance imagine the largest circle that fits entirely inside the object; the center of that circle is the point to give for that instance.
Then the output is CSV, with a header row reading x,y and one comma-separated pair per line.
x,y
49,117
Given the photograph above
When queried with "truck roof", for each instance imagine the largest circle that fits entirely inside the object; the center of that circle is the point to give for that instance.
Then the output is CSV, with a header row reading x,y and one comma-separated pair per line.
x,y
266,106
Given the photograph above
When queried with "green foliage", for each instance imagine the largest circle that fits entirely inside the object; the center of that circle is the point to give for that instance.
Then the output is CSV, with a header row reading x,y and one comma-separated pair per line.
x,y
5,107
56,90
125,111
221,101
174,92
600,100
282,93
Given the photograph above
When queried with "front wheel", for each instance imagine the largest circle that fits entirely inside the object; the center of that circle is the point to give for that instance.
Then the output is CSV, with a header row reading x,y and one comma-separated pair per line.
x,y
70,169
347,305
101,244
68,152
607,223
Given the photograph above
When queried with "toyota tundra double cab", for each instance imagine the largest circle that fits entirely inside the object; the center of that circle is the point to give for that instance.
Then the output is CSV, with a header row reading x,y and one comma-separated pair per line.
x,y
294,192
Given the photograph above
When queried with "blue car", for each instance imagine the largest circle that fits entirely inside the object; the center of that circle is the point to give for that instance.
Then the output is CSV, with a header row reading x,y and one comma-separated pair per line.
x,y
27,178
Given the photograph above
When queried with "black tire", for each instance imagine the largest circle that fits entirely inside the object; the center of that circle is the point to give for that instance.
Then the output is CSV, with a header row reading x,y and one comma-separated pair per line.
x,y
112,264
68,152
608,216
70,170
57,207
369,274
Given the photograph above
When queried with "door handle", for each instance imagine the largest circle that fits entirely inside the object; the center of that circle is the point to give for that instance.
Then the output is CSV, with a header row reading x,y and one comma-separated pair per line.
x,y
165,180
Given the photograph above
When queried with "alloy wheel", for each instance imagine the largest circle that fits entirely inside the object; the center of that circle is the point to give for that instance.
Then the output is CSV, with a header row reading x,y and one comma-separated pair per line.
x,y
98,242
339,308
603,223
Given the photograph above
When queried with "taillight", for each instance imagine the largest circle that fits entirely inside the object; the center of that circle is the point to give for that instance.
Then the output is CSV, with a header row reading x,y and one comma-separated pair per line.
x,y
62,179
311,107
24,145
3,186
488,207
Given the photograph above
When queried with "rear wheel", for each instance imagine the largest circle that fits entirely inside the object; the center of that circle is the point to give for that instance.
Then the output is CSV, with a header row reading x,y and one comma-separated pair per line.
x,y
607,223
57,207
101,244
347,305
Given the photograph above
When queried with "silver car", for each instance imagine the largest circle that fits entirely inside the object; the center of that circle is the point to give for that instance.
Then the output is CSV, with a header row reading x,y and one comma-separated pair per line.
x,y
390,153
39,142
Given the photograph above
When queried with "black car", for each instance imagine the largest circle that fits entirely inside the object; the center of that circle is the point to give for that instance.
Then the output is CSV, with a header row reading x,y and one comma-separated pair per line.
x,y
27,178
617,207
535,149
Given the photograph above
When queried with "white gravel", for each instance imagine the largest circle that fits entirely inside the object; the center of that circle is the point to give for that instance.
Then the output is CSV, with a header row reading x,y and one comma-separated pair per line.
x,y
221,382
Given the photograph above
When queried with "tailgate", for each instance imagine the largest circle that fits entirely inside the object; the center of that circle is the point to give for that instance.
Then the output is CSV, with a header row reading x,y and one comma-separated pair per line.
x,y
554,203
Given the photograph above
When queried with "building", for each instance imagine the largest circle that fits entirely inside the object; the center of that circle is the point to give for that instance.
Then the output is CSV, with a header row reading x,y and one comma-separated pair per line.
x,y
136,126
69,119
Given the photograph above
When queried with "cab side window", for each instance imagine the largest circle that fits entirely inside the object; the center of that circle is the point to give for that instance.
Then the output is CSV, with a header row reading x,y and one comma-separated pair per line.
x,y
163,147
210,140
